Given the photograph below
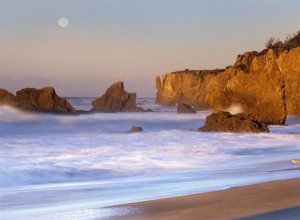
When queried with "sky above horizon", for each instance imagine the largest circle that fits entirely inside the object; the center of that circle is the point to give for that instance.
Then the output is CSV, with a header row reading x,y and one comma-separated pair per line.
x,y
130,40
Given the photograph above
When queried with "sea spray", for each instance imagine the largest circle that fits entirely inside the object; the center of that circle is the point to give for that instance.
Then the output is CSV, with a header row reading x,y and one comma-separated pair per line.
x,y
57,165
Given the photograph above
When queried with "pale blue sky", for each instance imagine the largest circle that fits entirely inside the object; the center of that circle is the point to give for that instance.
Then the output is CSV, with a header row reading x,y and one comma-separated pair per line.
x,y
130,40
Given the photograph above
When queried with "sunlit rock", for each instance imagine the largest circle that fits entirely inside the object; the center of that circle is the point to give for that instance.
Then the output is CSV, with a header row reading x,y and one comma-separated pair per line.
x,y
226,122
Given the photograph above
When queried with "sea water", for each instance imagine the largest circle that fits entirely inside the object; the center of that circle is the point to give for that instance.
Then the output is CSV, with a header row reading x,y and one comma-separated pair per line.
x,y
78,167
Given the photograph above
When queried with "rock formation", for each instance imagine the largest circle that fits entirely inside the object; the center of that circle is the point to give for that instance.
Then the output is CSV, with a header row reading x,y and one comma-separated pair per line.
x,y
185,108
181,86
116,99
265,84
135,129
40,100
6,98
226,122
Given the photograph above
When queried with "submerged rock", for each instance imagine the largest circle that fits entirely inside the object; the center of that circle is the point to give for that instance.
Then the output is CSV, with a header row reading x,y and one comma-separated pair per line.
x,y
116,99
40,100
226,122
185,108
135,129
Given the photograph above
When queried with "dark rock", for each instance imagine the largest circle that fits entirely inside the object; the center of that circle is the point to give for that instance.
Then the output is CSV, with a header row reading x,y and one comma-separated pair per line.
x,y
226,122
44,100
185,108
135,129
40,100
116,99
85,112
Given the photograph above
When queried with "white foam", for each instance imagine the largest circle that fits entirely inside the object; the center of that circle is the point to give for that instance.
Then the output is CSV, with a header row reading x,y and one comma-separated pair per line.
x,y
10,114
91,161
235,109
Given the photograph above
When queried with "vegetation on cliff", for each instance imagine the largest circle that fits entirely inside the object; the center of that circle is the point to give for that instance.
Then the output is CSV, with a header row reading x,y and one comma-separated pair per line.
x,y
203,73
291,41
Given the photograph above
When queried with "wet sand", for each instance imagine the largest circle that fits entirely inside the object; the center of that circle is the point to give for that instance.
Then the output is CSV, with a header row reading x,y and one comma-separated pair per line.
x,y
272,200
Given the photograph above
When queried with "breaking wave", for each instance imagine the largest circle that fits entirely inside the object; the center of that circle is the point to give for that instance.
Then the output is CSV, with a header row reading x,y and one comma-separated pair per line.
x,y
94,158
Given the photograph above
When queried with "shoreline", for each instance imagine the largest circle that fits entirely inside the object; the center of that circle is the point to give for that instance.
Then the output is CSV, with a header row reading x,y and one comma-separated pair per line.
x,y
259,201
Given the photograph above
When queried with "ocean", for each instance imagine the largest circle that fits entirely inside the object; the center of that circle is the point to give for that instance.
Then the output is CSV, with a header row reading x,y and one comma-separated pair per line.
x,y
80,167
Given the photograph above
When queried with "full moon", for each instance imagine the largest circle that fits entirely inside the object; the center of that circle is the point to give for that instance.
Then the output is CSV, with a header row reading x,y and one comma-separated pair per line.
x,y
63,22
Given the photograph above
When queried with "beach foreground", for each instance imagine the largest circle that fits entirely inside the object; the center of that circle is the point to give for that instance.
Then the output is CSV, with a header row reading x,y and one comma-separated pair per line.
x,y
272,200
78,167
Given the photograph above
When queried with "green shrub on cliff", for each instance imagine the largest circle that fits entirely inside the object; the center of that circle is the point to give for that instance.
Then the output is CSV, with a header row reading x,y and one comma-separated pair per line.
x,y
290,42
203,73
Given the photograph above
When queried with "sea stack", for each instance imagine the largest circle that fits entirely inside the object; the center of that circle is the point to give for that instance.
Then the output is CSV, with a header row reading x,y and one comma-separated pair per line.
x,y
116,99
37,100
6,98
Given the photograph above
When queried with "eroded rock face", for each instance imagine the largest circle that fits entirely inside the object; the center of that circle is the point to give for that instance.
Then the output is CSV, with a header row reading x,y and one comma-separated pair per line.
x,y
289,65
185,108
6,98
181,86
40,100
266,85
257,85
116,99
45,100
226,122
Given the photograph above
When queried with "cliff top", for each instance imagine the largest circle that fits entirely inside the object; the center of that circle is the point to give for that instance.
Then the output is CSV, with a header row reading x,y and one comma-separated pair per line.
x,y
244,60
200,73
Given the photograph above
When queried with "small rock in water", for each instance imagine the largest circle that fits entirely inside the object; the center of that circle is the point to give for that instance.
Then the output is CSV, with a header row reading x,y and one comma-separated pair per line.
x,y
148,110
136,129
185,108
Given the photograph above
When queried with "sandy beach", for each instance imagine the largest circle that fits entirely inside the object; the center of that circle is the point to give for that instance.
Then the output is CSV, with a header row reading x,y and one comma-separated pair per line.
x,y
272,200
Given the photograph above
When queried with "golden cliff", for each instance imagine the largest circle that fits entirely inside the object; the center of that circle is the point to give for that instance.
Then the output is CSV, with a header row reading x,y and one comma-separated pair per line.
x,y
266,85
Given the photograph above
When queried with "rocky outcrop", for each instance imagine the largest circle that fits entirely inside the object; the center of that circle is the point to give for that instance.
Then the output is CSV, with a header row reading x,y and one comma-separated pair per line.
x,y
136,129
185,108
289,65
182,86
116,99
266,85
6,98
40,100
226,122
256,83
